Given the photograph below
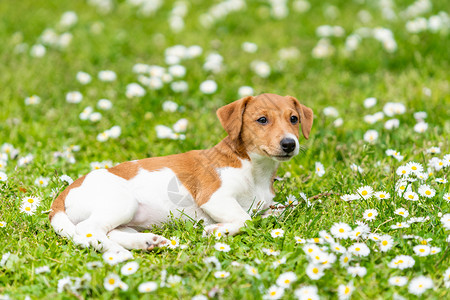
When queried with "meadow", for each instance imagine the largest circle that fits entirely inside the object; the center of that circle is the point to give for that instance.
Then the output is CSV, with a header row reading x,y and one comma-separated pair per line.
x,y
365,206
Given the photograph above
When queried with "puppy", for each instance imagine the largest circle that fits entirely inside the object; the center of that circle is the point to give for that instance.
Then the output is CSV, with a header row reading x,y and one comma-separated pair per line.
x,y
108,208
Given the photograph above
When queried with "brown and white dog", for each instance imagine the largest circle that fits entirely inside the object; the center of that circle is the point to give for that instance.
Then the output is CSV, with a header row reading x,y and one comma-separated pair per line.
x,y
107,208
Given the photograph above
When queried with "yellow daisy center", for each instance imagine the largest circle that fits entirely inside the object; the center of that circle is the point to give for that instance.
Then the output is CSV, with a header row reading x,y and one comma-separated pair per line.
x,y
428,192
422,250
424,242
345,259
341,230
403,171
273,293
27,208
357,249
287,281
370,214
414,168
30,200
364,193
315,270
89,235
111,281
384,243
347,290
382,196
316,240
411,197
401,213
173,242
310,250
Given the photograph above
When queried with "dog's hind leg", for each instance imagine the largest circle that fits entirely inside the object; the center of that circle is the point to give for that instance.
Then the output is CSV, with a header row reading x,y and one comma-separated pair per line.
x,y
131,239
93,233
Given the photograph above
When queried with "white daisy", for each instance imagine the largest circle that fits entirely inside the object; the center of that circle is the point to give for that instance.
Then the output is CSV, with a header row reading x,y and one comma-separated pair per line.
x,y
147,287
345,291
386,242
341,230
359,249
299,240
401,212
42,181
326,236
320,170
74,97
345,258
111,282
107,75
208,87
422,250
435,250
277,233
286,279
399,225
3,176
403,171
446,197
270,251
414,167
335,247
370,214
371,136
307,292
441,180
129,268
410,195
174,242
421,127
398,280
365,191
221,274
222,247
274,292
314,271
357,271
252,271
419,285
402,262
426,191
382,195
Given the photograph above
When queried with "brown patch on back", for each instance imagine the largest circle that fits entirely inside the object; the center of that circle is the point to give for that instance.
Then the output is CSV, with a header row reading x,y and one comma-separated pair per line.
x,y
126,170
197,170
58,204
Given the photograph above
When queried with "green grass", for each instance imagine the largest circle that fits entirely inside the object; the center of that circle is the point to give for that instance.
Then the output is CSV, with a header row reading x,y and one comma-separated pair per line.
x,y
342,80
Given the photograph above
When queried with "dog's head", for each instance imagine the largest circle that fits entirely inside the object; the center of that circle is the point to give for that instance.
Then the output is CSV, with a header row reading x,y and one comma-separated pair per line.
x,y
267,124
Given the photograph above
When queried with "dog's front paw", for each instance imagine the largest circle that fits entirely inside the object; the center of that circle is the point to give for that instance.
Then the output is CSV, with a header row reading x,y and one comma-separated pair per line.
x,y
156,241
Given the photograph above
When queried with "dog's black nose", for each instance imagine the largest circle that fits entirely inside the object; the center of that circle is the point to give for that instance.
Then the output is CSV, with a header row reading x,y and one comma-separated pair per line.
x,y
288,145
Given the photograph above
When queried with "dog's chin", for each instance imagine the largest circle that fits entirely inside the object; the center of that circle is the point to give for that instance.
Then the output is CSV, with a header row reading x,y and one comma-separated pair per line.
x,y
281,158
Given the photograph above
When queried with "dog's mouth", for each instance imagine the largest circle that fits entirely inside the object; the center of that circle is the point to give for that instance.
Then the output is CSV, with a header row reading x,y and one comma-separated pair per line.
x,y
278,157
284,157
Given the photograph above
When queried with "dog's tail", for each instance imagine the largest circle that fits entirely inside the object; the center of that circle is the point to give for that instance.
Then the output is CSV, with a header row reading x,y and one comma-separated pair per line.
x,y
62,225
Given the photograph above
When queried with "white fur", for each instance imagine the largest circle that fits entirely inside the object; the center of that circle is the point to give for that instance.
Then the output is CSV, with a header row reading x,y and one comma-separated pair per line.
x,y
105,211
243,190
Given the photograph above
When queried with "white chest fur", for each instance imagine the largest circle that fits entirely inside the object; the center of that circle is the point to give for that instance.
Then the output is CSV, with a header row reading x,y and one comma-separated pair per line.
x,y
250,185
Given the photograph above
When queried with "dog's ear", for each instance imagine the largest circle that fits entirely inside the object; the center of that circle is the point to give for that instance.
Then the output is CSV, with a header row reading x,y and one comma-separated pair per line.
x,y
306,116
230,116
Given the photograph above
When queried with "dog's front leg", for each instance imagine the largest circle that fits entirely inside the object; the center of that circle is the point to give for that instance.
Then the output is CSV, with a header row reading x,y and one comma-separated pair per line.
x,y
227,212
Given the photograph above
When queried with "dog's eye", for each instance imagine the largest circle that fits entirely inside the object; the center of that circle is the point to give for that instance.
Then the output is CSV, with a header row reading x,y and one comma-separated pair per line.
x,y
294,119
262,120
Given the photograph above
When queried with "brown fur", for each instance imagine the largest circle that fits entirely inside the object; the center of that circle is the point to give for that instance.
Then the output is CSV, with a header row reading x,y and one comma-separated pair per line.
x,y
59,203
197,170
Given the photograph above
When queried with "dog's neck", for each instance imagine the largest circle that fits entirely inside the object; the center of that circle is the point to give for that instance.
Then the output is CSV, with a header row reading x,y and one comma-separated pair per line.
x,y
263,168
